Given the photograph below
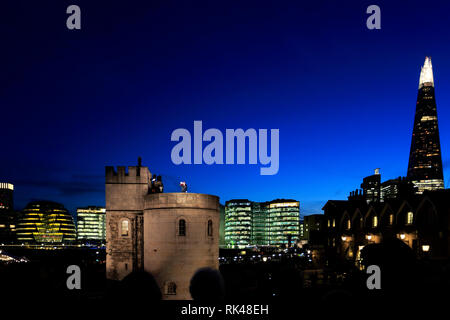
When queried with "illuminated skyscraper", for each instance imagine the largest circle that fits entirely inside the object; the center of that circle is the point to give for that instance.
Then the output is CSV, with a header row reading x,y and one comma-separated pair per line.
x,y
284,221
7,214
91,226
6,196
425,162
45,222
371,187
238,222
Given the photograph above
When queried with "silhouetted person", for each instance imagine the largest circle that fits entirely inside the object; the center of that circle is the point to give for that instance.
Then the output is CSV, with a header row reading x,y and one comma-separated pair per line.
x,y
397,265
159,185
207,286
139,286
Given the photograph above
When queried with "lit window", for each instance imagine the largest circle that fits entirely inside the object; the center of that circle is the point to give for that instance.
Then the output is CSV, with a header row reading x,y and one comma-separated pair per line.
x,y
182,227
375,221
391,219
409,218
124,228
210,228
334,223
329,223
349,224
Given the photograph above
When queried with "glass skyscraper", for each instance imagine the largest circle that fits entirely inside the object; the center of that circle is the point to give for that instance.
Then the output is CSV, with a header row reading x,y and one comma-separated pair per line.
x,y
284,221
91,224
425,162
238,222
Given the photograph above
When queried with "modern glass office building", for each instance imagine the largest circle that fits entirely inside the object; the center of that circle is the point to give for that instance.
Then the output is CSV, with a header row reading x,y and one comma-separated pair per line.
x,y
260,223
6,196
45,222
284,221
91,224
238,222
250,223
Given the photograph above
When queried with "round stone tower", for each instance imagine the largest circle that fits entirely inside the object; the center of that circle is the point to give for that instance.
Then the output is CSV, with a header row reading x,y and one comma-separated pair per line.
x,y
181,235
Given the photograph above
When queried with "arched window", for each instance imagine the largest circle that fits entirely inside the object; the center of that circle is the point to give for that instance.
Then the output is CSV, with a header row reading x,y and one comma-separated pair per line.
x,y
210,228
391,219
349,224
409,218
171,288
182,227
124,228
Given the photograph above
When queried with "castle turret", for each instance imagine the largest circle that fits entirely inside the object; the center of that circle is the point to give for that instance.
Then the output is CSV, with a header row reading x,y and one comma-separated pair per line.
x,y
170,235
125,191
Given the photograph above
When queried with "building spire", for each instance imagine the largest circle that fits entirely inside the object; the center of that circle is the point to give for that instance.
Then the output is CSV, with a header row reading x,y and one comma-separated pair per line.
x,y
426,74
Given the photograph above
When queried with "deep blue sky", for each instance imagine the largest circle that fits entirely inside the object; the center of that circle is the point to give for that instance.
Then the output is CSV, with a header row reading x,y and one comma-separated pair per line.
x,y
342,96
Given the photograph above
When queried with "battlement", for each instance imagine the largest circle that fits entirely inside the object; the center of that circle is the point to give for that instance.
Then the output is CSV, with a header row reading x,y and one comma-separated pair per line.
x,y
131,174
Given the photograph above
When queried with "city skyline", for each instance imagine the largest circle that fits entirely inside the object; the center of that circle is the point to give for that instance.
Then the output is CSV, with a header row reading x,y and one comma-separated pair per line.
x,y
342,96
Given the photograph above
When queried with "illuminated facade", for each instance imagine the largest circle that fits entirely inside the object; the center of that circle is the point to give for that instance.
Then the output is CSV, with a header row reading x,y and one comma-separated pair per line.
x,y
284,221
260,223
275,223
6,196
421,221
45,222
170,235
425,163
371,187
238,222
91,224
7,215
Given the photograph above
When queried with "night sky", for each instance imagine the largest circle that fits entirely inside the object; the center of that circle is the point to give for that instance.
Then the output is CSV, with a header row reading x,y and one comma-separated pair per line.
x,y
343,96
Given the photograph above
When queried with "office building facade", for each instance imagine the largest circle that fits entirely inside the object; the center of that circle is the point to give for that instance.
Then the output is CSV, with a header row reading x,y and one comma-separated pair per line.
x,y
45,223
274,223
284,222
238,222
91,225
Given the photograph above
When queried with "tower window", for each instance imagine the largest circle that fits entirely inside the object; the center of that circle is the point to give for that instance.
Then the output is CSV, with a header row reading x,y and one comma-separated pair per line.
x,y
391,219
124,228
349,224
171,288
182,227
210,228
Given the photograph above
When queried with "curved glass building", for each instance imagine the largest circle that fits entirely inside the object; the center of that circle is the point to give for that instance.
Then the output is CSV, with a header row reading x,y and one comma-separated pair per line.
x,y
45,222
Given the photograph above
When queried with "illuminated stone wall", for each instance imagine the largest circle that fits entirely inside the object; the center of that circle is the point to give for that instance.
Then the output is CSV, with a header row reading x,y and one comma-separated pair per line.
x,y
152,239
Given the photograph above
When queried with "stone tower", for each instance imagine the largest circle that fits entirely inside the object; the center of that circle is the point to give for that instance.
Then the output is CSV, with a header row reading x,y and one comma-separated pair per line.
x,y
125,192
170,235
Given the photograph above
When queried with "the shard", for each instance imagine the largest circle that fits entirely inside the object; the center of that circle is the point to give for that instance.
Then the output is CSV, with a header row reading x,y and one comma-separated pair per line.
x,y
425,162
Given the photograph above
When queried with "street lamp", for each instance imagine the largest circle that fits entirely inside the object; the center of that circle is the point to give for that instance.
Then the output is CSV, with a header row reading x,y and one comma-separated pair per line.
x,y
425,248
402,236
344,238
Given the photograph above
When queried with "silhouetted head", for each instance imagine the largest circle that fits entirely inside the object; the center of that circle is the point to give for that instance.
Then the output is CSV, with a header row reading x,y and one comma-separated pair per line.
x,y
140,286
207,285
